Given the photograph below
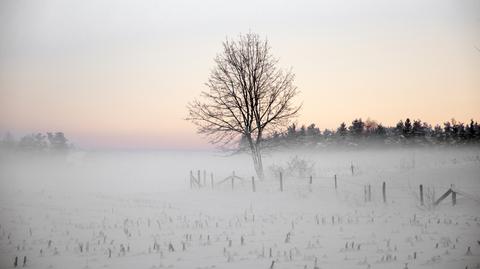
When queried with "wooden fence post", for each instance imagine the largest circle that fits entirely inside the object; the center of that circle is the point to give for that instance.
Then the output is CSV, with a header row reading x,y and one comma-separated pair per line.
x,y
335,177
205,178
199,179
191,179
384,192
365,193
454,198
369,192
310,182
281,182
253,184
421,195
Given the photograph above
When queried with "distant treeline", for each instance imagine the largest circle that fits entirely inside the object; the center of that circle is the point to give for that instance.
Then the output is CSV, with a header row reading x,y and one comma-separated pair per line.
x,y
36,142
367,133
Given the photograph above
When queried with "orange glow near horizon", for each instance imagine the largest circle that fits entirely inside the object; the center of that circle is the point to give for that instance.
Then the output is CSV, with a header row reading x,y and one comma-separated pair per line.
x,y
125,79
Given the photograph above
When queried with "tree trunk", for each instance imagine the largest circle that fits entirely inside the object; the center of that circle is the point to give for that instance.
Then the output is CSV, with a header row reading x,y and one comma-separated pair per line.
x,y
259,164
257,160
256,157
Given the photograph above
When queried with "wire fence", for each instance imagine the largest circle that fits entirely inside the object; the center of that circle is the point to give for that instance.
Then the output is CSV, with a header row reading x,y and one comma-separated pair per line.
x,y
357,186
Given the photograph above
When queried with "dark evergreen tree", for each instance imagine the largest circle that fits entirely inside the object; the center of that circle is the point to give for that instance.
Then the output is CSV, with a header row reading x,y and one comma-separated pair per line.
x,y
407,128
470,131
398,132
302,131
380,131
437,134
417,129
447,132
292,131
327,133
312,130
462,133
342,130
357,127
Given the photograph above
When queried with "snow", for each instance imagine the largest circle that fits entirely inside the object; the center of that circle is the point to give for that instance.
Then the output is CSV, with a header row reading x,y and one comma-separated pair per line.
x,y
52,211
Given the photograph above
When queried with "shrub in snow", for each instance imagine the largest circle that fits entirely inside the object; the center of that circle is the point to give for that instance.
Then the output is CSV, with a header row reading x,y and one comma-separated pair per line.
x,y
295,168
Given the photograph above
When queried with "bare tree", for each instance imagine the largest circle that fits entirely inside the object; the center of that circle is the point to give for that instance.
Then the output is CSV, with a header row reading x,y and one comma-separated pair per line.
x,y
248,96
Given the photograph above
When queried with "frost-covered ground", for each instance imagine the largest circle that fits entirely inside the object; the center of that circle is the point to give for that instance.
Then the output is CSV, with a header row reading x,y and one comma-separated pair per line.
x,y
132,210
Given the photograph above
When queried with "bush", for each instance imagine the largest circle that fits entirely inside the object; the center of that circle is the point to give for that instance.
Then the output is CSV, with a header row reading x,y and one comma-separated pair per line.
x,y
296,168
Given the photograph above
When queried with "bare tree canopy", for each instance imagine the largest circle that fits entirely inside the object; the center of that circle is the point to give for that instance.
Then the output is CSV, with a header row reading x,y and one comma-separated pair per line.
x,y
248,96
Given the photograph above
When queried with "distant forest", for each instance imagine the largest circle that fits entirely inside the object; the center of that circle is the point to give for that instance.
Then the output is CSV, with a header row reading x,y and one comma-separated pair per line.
x,y
358,134
36,142
371,133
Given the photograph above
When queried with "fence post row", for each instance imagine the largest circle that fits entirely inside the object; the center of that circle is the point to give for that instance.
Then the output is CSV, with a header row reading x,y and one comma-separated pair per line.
x,y
367,189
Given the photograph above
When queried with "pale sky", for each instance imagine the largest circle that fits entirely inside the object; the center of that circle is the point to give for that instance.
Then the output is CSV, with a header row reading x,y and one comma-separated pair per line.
x,y
118,74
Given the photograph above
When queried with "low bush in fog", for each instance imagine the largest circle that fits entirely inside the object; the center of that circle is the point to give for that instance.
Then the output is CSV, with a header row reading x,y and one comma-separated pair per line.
x,y
294,168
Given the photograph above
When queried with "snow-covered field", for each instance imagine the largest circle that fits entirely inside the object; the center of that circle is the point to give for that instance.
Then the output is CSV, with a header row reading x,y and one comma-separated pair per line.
x,y
136,210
